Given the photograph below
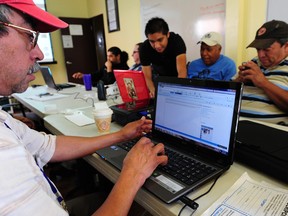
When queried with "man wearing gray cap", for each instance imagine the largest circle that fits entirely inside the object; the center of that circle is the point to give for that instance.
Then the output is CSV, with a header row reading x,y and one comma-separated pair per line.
x,y
265,77
212,64
25,189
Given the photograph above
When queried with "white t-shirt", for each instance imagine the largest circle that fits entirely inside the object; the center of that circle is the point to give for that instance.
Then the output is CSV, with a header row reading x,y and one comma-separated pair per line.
x,y
23,188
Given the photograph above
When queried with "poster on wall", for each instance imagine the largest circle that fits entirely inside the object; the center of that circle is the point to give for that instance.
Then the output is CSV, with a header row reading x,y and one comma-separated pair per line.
x,y
208,15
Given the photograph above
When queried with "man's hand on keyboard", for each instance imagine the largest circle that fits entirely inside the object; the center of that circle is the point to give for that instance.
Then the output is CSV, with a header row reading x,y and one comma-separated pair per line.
x,y
143,159
136,128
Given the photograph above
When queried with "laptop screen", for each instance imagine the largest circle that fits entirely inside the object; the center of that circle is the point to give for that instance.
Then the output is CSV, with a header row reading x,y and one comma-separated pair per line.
x,y
47,76
132,85
197,111
133,89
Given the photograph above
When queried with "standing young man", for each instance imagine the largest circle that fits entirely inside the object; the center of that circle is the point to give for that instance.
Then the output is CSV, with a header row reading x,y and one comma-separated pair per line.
x,y
162,54
25,190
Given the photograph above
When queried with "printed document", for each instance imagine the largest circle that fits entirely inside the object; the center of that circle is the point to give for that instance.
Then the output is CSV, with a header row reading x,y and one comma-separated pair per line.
x,y
249,197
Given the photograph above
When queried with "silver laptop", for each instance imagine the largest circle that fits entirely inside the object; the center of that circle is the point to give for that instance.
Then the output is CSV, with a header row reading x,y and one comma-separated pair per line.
x,y
197,122
49,80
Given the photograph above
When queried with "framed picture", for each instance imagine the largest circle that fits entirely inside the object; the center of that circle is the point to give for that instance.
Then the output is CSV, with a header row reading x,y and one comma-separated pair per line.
x,y
112,15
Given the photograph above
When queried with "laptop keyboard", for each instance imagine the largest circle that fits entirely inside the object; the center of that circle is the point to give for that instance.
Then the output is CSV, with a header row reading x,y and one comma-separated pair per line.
x,y
181,167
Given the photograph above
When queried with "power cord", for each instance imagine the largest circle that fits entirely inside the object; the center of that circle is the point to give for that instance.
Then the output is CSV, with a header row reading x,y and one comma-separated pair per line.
x,y
191,203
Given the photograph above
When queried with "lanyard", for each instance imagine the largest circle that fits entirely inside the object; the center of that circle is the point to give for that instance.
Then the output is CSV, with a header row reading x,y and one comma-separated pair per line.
x,y
55,191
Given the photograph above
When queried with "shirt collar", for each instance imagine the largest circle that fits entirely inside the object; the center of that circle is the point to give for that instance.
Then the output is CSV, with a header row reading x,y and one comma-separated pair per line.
x,y
3,116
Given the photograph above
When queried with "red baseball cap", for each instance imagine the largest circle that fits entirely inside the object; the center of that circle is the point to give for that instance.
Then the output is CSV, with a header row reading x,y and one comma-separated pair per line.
x,y
45,22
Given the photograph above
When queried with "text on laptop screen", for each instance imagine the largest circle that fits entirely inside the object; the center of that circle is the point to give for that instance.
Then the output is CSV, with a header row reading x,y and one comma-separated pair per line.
x,y
203,115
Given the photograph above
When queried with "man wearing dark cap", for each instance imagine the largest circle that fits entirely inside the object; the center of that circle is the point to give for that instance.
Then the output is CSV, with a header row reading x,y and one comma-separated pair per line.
x,y
25,190
266,76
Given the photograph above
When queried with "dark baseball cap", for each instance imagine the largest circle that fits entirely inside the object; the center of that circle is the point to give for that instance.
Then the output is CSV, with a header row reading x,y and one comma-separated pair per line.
x,y
45,22
268,33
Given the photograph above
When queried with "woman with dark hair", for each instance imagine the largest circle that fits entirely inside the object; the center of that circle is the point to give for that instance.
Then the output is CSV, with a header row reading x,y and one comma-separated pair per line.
x,y
116,59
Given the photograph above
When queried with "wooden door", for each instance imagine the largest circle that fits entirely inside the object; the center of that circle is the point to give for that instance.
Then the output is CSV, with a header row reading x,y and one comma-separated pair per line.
x,y
99,36
80,48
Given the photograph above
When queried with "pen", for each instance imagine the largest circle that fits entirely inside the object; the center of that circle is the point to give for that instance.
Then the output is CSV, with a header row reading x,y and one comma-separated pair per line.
x,y
45,94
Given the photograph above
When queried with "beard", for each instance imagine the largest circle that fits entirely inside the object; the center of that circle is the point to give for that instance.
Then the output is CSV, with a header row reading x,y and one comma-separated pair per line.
x,y
23,84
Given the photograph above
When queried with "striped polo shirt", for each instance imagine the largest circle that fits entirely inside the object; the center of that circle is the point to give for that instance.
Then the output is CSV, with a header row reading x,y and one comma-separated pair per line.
x,y
255,103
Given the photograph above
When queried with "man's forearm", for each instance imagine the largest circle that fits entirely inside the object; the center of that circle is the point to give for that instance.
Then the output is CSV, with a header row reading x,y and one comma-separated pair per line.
x,y
68,147
277,95
121,197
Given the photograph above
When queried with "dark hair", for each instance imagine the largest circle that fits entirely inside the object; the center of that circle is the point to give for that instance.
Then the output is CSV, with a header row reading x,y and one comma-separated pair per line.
x,y
4,11
139,45
124,57
115,50
156,24
282,41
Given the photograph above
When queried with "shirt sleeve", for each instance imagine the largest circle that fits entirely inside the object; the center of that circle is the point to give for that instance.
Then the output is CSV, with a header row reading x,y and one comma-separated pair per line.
x,y
230,69
193,68
39,144
145,53
179,44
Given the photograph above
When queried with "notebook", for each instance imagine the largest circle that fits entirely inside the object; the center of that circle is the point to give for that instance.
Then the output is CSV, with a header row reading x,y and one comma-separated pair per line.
x,y
132,87
197,121
49,80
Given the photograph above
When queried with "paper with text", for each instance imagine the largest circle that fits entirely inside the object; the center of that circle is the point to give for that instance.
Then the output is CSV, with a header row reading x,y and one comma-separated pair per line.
x,y
249,197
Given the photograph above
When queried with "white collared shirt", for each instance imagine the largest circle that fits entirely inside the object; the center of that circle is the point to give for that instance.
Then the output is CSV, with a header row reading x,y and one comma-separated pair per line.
x,y
23,187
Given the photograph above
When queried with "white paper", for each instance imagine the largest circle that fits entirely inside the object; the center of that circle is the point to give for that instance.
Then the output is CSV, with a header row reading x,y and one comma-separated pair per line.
x,y
67,41
75,29
249,197
79,119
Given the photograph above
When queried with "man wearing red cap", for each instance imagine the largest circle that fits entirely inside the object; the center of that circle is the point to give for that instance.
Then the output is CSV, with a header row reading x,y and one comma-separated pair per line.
x,y
265,94
25,190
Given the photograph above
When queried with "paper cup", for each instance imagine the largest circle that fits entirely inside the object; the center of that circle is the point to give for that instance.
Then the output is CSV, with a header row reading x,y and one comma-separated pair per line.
x,y
102,119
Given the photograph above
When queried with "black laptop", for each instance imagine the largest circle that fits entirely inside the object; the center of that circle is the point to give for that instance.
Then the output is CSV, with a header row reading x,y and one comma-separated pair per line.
x,y
197,122
263,148
49,80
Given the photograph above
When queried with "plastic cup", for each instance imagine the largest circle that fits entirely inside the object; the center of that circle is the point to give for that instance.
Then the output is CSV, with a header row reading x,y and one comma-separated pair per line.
x,y
87,82
102,119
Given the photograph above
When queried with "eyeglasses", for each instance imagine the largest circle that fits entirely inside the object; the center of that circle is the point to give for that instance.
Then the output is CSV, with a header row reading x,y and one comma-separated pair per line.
x,y
135,51
33,34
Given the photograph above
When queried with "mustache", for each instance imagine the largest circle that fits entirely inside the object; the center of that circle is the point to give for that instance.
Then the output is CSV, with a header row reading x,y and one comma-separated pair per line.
x,y
36,67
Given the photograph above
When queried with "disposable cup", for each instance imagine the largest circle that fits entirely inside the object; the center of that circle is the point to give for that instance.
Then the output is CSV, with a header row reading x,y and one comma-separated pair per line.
x,y
87,81
102,119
